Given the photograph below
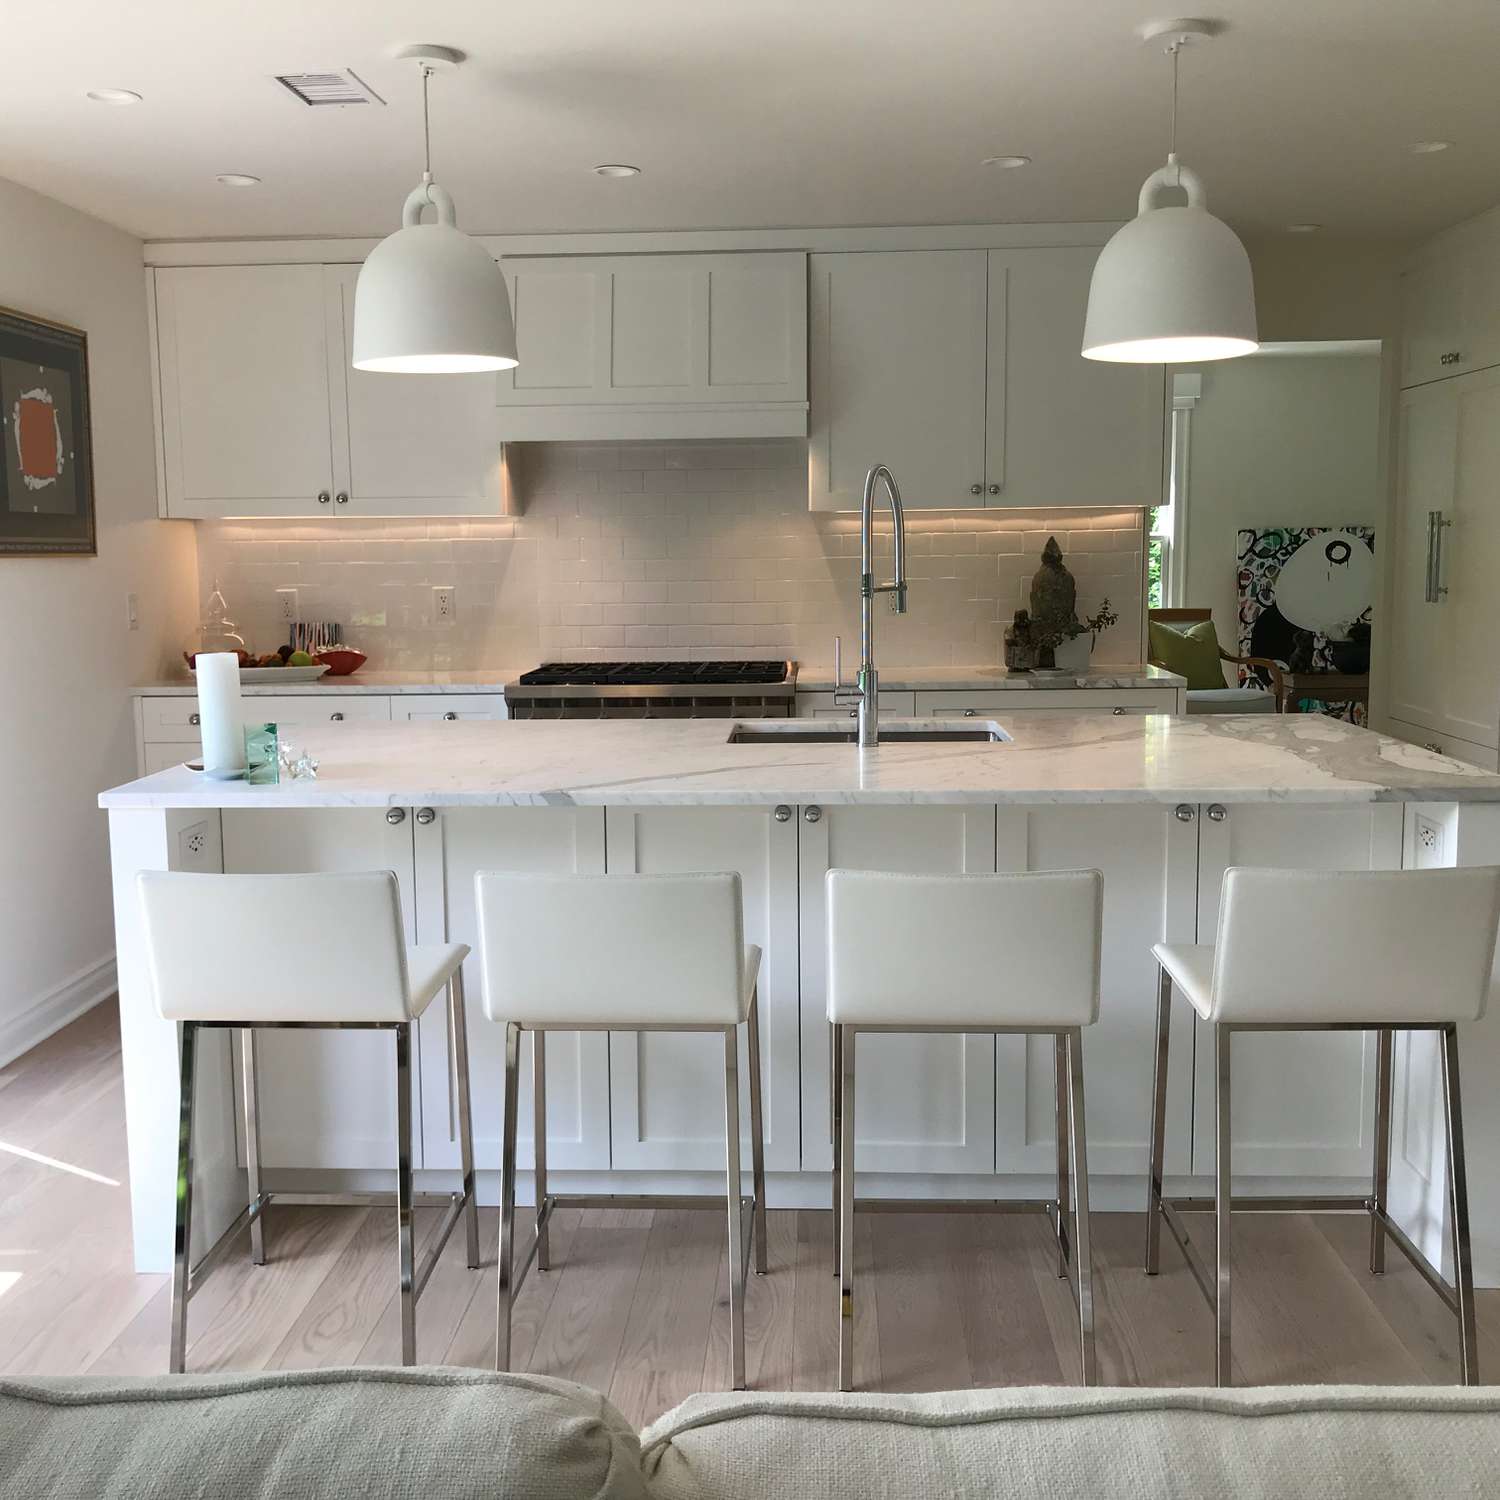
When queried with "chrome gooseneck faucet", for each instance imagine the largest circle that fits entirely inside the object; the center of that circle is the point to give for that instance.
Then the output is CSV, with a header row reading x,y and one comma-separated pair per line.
x,y
866,691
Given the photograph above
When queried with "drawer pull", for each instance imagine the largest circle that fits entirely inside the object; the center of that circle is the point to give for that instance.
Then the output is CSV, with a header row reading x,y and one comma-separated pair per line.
x,y
450,716
1185,812
783,814
395,816
324,497
1433,745
1117,711
425,815
1218,813
336,716
812,814
969,713
195,719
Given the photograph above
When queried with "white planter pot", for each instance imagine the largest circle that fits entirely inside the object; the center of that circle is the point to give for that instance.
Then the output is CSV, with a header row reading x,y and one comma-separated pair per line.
x,y
1073,656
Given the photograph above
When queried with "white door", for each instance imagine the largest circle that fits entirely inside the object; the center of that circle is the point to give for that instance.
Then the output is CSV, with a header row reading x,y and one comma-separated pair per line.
x,y
450,849
408,444
923,1103
1299,1103
447,707
1062,429
897,360
243,362
667,1089
327,1098
1149,857
1414,639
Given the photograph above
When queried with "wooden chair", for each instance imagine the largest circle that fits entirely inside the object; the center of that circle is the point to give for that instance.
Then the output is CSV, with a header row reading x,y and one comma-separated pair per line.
x,y
1273,669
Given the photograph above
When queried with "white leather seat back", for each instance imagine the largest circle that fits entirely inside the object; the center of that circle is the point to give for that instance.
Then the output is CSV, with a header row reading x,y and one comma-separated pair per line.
x,y
1387,945
275,947
980,950
614,950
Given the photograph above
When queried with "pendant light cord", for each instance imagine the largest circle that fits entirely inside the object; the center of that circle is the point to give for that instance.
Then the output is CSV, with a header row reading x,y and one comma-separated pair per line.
x,y
427,129
1173,52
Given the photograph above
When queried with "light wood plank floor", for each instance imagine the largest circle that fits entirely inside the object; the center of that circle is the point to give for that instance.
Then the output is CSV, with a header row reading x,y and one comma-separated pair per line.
x,y
636,1304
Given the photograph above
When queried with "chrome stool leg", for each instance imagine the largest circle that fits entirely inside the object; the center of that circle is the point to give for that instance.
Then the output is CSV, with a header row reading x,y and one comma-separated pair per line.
x,y
1458,1194
539,1136
757,1135
183,1233
251,1090
732,1174
458,1024
404,1196
845,1217
1223,1204
1061,1083
507,1196
1082,1247
836,1105
1158,1122
1382,1170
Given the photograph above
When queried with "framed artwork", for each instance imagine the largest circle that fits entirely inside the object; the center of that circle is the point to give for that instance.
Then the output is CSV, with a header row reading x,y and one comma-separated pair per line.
x,y
1305,597
47,477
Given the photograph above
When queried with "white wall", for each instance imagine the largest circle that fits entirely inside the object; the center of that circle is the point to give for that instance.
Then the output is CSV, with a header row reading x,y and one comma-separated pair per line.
x,y
1279,441
66,657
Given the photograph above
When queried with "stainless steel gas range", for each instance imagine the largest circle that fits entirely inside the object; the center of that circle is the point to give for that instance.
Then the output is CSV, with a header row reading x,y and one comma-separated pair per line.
x,y
655,690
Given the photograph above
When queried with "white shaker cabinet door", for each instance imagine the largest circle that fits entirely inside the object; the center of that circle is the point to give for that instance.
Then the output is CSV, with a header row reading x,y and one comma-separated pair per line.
x,y
451,847
327,1098
1299,1099
897,361
243,357
667,1089
923,1104
417,445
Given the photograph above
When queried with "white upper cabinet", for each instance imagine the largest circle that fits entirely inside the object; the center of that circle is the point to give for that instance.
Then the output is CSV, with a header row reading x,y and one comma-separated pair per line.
x,y
657,346
1450,305
261,414
244,391
961,370
898,355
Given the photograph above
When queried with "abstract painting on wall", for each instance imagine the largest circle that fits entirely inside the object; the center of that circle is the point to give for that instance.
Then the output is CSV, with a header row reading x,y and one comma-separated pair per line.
x,y
47,479
1305,597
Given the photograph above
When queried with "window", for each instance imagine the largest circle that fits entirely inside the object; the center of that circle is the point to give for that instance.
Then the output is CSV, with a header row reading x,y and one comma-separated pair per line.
x,y
1166,546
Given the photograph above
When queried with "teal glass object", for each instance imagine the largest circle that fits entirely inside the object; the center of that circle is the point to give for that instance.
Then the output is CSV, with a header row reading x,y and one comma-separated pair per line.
x,y
262,755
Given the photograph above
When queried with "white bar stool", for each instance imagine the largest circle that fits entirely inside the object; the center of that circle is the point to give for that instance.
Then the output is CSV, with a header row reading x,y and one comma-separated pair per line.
x,y
968,953
245,952
1301,950
662,953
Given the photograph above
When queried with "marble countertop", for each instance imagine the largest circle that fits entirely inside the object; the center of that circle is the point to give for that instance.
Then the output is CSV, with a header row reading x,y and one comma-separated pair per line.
x,y
819,678
815,679
1073,758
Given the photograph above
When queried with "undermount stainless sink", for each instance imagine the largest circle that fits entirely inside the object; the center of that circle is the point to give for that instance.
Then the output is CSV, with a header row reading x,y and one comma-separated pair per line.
x,y
905,732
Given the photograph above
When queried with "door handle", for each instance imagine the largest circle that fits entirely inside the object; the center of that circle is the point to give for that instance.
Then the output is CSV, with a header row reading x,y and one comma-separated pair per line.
x,y
1435,587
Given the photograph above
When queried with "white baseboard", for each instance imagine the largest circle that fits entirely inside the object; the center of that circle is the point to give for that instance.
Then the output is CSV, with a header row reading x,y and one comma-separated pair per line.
x,y
53,1010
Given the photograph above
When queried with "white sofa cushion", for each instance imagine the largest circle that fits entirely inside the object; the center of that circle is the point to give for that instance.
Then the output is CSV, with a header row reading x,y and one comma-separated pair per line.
x,y
1231,700
1322,1442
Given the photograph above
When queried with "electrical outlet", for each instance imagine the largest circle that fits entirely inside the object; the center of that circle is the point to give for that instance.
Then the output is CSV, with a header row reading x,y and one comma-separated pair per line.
x,y
195,848
286,600
444,604
1429,840
132,612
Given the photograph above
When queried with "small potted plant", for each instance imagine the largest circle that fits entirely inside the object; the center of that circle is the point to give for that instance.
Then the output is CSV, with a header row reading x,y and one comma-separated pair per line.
x,y
1067,645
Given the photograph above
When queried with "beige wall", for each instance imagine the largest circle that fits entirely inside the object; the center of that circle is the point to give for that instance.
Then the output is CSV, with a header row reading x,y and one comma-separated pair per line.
x,y
1312,287
66,658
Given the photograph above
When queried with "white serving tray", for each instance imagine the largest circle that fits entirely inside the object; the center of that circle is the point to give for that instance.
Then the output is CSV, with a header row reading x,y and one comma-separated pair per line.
x,y
289,675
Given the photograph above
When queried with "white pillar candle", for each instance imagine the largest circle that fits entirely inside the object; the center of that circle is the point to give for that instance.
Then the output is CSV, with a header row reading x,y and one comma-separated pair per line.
x,y
220,716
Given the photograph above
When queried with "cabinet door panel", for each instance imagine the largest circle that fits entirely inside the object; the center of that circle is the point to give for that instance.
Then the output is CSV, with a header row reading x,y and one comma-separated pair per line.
x,y
923,1103
327,1098
666,1090
1299,1098
416,445
243,354
1150,863
1433,322
438,707
450,851
898,375
1063,430
557,311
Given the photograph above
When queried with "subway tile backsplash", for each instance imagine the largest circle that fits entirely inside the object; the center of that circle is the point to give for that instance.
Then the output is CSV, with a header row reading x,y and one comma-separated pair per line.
x,y
700,549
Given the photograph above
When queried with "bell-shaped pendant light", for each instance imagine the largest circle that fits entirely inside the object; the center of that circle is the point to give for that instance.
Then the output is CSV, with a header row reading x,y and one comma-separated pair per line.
x,y
1174,284
430,300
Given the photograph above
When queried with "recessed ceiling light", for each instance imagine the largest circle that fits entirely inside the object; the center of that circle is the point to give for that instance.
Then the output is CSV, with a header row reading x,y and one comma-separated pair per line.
x,y
616,169
1428,148
1006,162
1303,228
114,96
237,179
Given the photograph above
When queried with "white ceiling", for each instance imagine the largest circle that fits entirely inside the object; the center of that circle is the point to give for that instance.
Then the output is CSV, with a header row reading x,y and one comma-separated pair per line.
x,y
752,113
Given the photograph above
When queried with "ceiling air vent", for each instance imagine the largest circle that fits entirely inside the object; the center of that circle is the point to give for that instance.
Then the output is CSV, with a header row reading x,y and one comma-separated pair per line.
x,y
343,87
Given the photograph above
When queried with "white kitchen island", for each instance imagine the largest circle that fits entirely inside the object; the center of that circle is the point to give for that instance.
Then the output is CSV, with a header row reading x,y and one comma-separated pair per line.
x,y
1162,805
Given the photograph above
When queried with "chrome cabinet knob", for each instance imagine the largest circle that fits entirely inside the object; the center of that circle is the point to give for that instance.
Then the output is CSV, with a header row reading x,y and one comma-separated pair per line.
x,y
976,489
323,497
395,816
342,498
811,814
425,815
1117,711
1217,813
1185,812
195,718
450,717
1433,745
783,813
969,713
994,489
336,716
